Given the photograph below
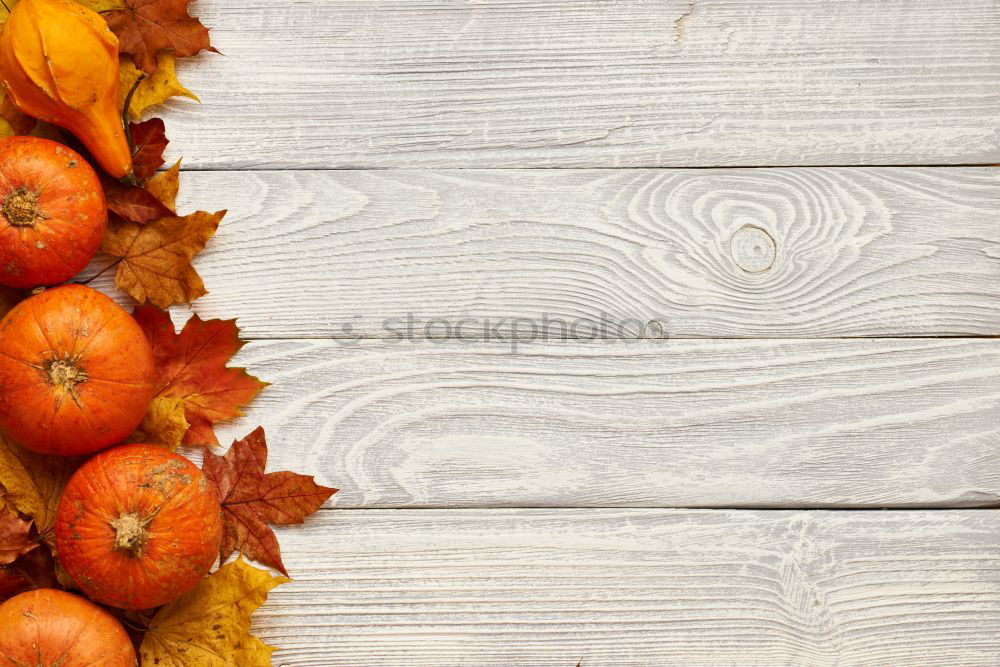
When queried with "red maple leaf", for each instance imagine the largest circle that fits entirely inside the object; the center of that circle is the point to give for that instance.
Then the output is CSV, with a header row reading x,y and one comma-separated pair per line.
x,y
149,139
192,365
145,27
133,203
15,537
251,499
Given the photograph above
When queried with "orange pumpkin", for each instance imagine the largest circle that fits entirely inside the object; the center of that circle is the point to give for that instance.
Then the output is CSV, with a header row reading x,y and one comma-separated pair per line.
x,y
50,627
76,372
52,212
59,63
138,526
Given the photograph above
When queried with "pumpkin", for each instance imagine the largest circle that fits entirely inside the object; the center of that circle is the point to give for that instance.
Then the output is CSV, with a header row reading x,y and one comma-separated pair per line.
x,y
59,63
138,526
76,372
52,212
50,627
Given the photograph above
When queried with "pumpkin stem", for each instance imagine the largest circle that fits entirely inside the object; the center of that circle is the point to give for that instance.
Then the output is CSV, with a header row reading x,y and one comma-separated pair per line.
x,y
65,375
21,208
130,534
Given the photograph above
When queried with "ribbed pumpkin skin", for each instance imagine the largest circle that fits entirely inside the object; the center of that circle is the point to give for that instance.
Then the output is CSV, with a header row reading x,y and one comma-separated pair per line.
x,y
76,372
52,212
49,627
59,63
177,507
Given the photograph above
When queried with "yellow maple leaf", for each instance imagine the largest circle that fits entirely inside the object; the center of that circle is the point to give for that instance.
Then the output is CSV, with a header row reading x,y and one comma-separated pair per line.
x,y
157,89
164,185
156,257
164,423
34,483
210,626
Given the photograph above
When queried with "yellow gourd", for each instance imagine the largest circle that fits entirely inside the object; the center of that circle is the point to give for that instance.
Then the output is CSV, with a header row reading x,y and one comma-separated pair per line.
x,y
59,63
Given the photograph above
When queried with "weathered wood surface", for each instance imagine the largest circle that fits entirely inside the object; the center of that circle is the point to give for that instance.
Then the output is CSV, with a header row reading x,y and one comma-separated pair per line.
x,y
634,587
591,83
857,252
707,423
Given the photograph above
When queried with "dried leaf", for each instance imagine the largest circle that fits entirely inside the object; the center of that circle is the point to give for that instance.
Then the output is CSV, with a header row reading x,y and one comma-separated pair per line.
x,y
132,203
210,626
164,423
36,569
156,258
34,482
146,27
191,366
252,499
15,537
150,140
101,6
164,185
153,90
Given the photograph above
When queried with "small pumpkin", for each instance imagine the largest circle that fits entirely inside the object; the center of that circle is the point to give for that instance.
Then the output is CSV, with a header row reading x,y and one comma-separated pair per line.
x,y
59,63
76,372
52,212
138,526
50,627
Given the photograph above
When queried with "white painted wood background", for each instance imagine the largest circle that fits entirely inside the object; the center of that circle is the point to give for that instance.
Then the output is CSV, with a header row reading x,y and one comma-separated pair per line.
x,y
820,340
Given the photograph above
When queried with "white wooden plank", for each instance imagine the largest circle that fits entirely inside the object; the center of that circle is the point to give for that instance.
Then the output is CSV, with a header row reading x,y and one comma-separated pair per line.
x,y
588,83
857,252
633,587
708,423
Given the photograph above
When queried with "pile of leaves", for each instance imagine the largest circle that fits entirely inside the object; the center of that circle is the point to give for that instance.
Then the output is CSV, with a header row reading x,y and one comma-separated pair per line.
x,y
150,246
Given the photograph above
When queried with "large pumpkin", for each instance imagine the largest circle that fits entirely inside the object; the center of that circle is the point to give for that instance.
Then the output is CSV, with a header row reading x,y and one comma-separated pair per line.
x,y
138,526
49,627
52,212
76,372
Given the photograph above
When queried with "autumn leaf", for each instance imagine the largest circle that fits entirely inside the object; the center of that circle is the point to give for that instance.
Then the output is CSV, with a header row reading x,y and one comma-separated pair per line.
x,y
146,27
252,499
153,90
34,483
210,626
164,185
191,366
156,257
15,537
149,139
133,203
33,570
164,423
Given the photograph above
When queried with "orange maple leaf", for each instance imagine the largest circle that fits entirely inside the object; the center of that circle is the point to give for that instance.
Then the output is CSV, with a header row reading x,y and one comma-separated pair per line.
x,y
155,258
251,499
191,366
145,27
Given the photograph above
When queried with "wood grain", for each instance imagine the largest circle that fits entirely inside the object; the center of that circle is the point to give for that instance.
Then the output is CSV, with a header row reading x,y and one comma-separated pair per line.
x,y
591,83
635,587
708,423
857,252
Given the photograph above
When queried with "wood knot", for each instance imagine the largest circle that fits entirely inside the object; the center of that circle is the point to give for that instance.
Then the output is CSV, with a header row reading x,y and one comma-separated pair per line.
x,y
752,249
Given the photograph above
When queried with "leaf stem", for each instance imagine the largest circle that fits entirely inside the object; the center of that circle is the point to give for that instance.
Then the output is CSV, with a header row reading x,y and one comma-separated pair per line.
x,y
102,271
